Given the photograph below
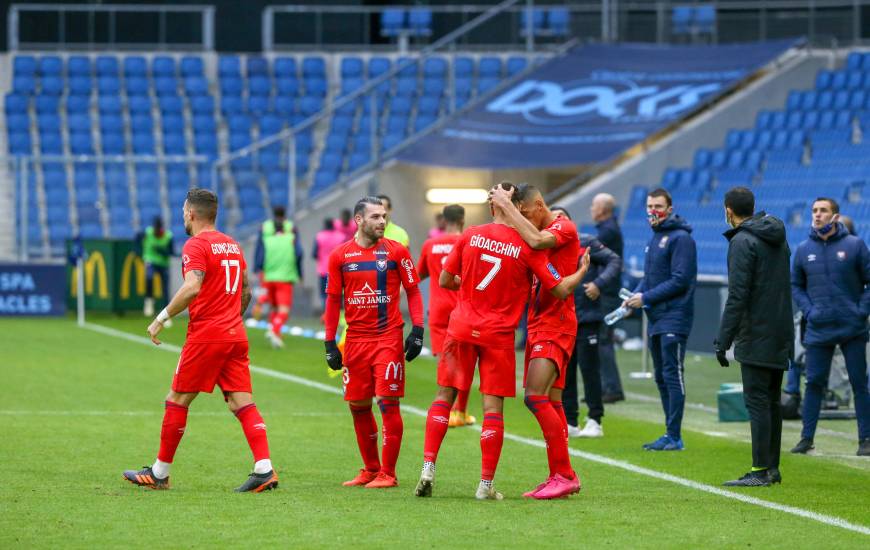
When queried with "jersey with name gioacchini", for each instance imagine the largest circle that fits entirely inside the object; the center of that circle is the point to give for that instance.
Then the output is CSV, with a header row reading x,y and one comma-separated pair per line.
x,y
496,267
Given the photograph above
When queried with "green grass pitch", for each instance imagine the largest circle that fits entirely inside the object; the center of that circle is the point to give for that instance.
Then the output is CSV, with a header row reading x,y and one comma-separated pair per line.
x,y
81,406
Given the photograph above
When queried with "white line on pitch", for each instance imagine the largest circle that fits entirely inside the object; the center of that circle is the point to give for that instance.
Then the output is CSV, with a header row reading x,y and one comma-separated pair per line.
x,y
821,518
22,412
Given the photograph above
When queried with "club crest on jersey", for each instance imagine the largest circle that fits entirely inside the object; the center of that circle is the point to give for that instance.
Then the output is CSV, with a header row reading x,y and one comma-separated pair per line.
x,y
841,255
664,242
381,265
553,271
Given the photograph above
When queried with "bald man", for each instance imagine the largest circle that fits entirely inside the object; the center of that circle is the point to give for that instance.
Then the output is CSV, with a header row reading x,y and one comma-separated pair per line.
x,y
610,235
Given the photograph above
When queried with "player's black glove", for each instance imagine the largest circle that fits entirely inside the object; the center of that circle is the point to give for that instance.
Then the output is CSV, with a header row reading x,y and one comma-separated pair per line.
x,y
414,343
720,354
333,356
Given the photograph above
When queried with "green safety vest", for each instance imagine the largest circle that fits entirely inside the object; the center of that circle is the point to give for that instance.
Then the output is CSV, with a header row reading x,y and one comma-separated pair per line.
x,y
396,233
155,250
279,261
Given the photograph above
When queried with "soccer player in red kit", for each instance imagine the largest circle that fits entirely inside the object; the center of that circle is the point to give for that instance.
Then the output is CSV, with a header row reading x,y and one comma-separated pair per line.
x,y
217,293
441,300
552,330
368,271
494,267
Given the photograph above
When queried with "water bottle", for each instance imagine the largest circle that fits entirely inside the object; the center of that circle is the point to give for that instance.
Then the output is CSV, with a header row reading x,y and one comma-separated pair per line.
x,y
616,315
625,294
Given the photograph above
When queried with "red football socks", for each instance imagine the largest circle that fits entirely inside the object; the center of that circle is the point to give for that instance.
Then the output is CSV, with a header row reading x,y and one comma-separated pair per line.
x,y
366,436
491,439
560,410
391,418
461,403
277,320
255,431
436,428
174,421
554,434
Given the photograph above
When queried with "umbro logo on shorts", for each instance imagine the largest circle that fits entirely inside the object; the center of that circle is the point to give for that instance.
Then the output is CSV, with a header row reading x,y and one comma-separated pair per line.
x,y
538,347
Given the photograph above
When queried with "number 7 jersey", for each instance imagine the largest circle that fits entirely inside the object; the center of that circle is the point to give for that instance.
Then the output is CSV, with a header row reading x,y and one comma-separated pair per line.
x,y
495,266
216,312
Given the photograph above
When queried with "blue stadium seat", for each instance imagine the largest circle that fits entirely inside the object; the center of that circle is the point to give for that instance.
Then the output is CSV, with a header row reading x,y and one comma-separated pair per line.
x,y
702,158
110,104
239,123
538,21
136,86
429,106
135,66
258,105
486,84
420,21
24,84
285,67
47,123
170,104
434,87
310,105
284,106
559,21
107,65
204,124
435,67
20,122
489,67
172,124
113,143
259,85
174,144
191,66
288,86
51,85
231,85
143,144
257,66
313,67
205,144
202,105
352,67
315,86
166,86
229,66
79,123
139,105
50,104
24,65
516,64
231,104
17,103
19,143
163,66
79,85
422,122
195,86
350,85
392,21
108,85
50,65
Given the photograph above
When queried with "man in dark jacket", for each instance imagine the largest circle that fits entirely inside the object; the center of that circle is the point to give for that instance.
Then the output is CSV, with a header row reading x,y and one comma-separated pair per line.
x,y
604,267
758,320
610,235
829,283
667,295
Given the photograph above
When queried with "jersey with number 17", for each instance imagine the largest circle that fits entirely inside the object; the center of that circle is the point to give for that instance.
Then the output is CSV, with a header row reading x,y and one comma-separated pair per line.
x,y
216,312
495,266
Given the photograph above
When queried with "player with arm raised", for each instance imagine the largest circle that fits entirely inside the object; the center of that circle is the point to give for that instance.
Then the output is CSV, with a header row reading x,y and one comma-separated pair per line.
x,y
441,300
494,267
368,271
217,293
552,330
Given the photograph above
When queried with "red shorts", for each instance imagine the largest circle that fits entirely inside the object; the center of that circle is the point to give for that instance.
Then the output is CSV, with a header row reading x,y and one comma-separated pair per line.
x,y
374,368
277,294
202,365
497,368
437,334
553,346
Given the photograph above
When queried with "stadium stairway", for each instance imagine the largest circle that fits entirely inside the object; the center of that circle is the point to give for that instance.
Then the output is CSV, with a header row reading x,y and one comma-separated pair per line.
x,y
7,178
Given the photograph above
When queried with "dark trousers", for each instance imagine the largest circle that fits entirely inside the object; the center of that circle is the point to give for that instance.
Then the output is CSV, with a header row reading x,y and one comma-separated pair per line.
x,y
793,379
610,382
668,352
818,368
150,271
586,353
761,393
323,279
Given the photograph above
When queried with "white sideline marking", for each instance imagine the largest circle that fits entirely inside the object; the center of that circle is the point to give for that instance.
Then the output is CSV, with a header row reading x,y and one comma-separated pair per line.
x,y
13,412
821,518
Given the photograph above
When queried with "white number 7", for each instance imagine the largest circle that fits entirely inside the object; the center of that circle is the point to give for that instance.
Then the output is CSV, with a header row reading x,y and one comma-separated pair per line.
x,y
496,265
227,265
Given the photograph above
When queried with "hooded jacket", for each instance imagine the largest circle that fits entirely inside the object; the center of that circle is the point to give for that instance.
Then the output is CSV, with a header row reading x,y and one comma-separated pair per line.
x,y
829,283
669,277
758,317
605,267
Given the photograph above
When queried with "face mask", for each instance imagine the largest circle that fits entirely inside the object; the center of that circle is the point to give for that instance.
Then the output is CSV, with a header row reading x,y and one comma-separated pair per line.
x,y
825,229
655,216
730,221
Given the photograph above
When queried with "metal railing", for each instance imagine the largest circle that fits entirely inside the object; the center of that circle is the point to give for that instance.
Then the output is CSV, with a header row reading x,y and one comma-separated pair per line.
x,y
823,22
23,168
286,140
101,28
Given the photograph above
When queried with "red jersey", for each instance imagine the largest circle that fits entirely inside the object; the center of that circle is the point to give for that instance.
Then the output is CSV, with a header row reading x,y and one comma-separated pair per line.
x,y
216,312
432,258
546,312
495,266
370,279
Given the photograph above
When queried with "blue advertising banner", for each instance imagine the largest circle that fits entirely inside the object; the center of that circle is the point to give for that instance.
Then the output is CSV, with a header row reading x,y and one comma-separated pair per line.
x,y
28,289
591,104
